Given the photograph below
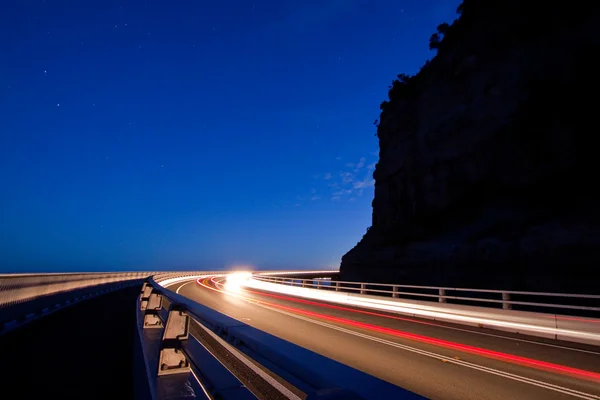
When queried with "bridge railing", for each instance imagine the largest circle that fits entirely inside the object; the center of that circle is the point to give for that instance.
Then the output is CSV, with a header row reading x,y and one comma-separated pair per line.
x,y
547,319
20,288
482,297
187,345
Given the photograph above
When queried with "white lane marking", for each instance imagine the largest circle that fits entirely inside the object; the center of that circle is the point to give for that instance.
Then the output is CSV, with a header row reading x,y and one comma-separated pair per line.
x,y
521,340
186,283
511,338
248,363
545,385
508,375
208,395
491,334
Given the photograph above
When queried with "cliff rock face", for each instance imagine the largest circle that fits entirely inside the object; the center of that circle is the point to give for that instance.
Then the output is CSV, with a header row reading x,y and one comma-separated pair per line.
x,y
487,171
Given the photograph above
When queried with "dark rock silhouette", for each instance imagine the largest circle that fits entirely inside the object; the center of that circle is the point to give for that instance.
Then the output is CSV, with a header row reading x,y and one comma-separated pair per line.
x,y
487,170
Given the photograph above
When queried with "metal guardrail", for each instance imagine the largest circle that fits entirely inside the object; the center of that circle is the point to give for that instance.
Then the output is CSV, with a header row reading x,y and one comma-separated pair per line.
x,y
190,350
441,294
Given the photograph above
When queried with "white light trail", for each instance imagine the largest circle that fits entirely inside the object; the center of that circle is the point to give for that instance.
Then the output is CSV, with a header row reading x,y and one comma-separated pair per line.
x,y
514,321
235,281
167,282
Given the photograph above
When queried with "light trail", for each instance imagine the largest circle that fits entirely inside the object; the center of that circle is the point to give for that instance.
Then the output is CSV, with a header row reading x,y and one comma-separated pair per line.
x,y
494,319
528,362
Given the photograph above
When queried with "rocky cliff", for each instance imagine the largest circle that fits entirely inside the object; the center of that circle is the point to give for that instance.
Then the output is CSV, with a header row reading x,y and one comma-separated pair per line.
x,y
487,164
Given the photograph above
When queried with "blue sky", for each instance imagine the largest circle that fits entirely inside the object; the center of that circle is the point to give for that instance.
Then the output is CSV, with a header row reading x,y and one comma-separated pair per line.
x,y
194,134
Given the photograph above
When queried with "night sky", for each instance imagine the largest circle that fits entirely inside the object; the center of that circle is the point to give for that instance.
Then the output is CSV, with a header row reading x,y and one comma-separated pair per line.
x,y
195,134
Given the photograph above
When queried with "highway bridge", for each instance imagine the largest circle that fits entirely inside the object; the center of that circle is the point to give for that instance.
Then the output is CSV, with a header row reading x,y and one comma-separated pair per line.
x,y
290,335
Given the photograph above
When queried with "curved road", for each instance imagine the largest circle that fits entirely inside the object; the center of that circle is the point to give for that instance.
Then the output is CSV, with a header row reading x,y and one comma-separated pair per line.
x,y
436,360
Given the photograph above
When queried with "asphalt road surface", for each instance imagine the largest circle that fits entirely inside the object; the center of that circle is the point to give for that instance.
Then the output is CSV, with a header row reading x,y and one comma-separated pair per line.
x,y
436,360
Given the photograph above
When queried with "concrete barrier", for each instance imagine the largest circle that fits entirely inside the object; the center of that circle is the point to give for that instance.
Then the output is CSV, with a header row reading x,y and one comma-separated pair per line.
x,y
19,288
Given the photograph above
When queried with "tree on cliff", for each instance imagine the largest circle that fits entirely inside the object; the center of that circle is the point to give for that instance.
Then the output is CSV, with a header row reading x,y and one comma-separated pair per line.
x,y
436,39
443,28
404,85
434,42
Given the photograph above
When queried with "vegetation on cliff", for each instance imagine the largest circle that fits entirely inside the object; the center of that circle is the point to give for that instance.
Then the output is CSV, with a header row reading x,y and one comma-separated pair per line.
x,y
498,33
486,155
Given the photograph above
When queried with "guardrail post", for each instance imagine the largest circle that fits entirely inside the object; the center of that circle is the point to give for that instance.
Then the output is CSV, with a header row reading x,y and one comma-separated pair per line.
x,y
442,294
395,292
172,360
151,307
303,282
337,286
505,300
318,284
145,294
362,288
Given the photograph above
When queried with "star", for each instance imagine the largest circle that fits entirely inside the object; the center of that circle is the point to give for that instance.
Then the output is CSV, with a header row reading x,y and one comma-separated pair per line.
x,y
57,104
